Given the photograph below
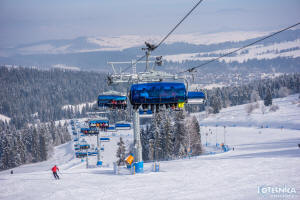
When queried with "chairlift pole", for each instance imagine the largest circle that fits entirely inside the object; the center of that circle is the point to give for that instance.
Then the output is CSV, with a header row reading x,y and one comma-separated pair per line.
x,y
147,60
189,143
147,76
137,137
133,64
216,135
99,163
87,159
224,135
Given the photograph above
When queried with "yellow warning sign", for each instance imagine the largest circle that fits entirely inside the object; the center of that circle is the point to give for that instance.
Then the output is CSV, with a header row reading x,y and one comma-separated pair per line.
x,y
181,105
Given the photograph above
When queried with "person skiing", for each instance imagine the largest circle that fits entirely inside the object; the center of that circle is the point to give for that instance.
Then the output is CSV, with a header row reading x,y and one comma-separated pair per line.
x,y
54,170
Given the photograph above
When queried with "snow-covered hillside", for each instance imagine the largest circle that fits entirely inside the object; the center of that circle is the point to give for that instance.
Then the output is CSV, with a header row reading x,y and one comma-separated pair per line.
x,y
287,116
262,158
119,43
259,52
177,50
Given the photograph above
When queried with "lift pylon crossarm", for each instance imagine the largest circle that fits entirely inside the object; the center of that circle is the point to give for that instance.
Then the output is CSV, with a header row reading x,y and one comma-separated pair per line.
x,y
150,47
145,77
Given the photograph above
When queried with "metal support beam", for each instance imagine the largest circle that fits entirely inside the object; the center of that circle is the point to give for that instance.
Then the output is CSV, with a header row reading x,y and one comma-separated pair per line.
x,y
87,159
99,162
137,136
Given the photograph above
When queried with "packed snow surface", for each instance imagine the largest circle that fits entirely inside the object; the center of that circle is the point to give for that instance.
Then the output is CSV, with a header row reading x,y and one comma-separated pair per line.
x,y
262,157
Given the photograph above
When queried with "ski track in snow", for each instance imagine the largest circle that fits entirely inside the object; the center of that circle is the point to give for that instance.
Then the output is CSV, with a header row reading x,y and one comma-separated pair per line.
x,y
268,156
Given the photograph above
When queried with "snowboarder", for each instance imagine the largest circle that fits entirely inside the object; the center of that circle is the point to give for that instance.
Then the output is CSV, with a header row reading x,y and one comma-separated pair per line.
x,y
54,170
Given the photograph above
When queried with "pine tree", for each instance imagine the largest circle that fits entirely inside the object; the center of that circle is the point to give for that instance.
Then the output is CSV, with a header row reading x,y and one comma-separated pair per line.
x,y
121,153
35,151
43,145
268,98
145,143
151,149
215,103
196,145
180,135
169,137
158,136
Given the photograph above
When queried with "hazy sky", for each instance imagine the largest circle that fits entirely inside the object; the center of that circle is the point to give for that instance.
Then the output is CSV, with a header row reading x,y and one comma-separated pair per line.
x,y
23,21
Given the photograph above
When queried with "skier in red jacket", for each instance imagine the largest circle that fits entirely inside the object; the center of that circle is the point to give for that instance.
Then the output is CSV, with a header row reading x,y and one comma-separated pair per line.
x,y
54,170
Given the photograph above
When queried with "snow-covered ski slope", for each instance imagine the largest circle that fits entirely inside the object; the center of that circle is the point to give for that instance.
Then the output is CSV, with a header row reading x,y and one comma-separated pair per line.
x,y
287,116
262,157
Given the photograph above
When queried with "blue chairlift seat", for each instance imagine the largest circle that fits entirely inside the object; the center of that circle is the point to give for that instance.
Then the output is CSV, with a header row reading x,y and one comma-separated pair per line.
x,y
80,154
92,153
123,126
196,97
111,129
147,112
112,101
84,146
101,123
104,139
160,93
89,131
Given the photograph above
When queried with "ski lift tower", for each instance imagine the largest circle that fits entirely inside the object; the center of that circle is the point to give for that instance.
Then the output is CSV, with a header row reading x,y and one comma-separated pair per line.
x,y
96,114
148,76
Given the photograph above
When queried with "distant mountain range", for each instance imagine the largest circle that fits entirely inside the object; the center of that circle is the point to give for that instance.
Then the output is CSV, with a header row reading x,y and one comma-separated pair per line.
x,y
179,51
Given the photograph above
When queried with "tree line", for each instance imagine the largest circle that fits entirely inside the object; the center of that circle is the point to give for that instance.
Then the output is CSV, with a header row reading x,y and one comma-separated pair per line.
x,y
30,144
168,136
27,94
265,89
171,135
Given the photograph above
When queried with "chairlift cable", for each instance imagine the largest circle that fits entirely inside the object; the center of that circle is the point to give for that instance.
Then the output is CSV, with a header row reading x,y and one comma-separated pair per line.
x,y
243,47
177,25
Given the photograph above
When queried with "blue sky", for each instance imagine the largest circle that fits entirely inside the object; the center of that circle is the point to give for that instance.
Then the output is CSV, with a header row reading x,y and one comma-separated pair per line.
x,y
24,21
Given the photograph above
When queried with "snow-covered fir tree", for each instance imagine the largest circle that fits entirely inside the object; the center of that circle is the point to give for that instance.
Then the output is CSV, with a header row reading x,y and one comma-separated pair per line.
x,y
180,140
29,144
121,152
268,98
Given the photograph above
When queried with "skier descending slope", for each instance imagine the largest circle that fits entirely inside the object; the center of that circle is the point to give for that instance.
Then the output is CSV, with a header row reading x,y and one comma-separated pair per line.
x,y
54,170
